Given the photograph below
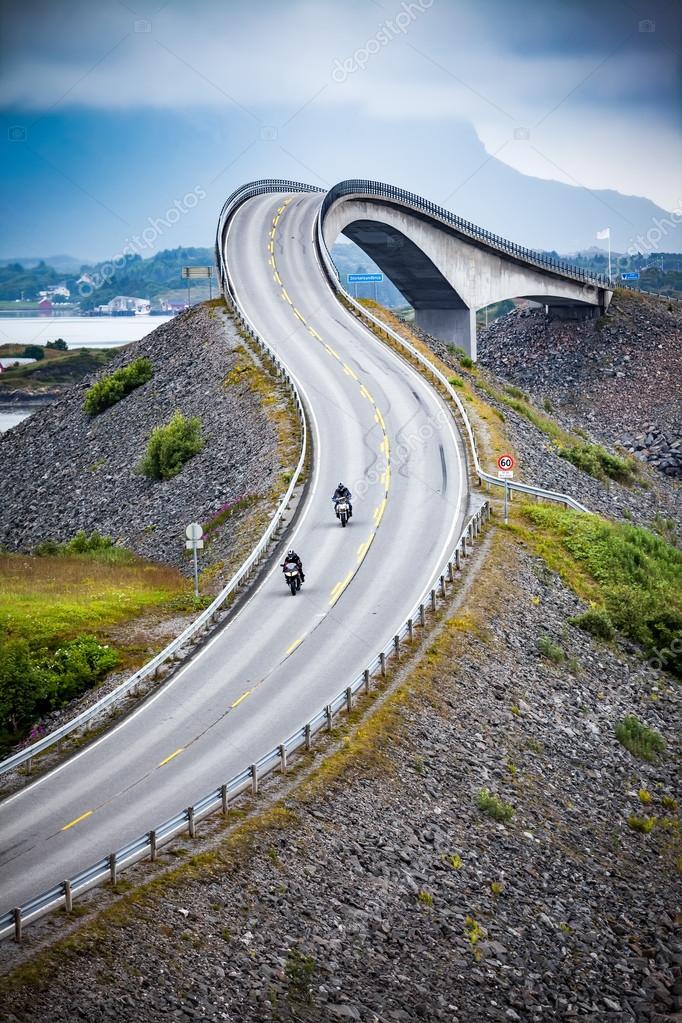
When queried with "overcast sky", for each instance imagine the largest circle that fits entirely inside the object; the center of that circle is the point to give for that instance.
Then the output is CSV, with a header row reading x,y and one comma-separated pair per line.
x,y
114,111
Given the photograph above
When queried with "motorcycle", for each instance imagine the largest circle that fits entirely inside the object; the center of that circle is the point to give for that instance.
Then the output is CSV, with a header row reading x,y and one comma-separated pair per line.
x,y
292,575
342,509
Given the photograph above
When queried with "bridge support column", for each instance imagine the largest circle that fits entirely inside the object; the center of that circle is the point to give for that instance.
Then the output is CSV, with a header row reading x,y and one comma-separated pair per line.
x,y
454,326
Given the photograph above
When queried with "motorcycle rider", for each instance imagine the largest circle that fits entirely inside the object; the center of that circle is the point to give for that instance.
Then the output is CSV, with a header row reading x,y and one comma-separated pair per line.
x,y
342,493
293,556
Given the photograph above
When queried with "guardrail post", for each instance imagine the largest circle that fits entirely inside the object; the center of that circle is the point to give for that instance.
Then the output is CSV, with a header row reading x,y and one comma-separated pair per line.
x,y
17,923
457,559
329,716
365,679
451,574
29,765
223,799
152,846
382,664
349,699
191,825
410,630
422,616
464,546
433,600
112,867
254,779
442,586
283,758
396,646
306,740
68,898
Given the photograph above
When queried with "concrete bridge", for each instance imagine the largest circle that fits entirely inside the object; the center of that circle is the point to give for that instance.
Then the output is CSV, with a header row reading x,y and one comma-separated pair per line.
x,y
446,267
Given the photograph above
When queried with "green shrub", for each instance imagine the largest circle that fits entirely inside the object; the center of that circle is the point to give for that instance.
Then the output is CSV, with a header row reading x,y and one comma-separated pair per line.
x,y
598,462
455,381
632,573
551,650
18,684
596,621
495,807
81,543
170,446
95,547
34,352
638,739
645,825
516,392
73,668
466,361
59,345
112,388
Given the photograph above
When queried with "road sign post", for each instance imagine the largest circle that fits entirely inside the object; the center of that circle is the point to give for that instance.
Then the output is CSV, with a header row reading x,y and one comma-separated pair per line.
x,y
194,533
505,471
191,273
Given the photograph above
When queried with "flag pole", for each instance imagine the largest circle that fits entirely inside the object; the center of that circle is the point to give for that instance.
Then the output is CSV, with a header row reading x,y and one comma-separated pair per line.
x,y
610,278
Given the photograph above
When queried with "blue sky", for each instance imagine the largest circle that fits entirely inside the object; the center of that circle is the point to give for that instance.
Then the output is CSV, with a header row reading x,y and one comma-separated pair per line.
x,y
113,112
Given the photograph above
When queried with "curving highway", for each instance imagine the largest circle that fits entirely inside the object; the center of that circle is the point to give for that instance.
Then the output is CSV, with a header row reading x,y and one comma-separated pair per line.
x,y
376,425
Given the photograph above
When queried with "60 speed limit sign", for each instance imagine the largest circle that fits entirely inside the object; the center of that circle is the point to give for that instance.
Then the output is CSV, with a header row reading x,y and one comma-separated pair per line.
x,y
505,463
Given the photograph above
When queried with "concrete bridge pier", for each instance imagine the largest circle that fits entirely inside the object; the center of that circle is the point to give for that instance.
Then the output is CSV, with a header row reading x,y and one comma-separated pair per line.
x,y
454,326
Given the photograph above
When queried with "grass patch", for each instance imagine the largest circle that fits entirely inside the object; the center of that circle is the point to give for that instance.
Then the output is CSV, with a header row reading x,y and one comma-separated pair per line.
x,y
634,575
116,386
645,825
550,650
600,463
54,612
172,445
494,806
640,740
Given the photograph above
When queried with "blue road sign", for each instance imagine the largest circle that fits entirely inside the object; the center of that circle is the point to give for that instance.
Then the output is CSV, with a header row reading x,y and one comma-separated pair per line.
x,y
629,277
365,278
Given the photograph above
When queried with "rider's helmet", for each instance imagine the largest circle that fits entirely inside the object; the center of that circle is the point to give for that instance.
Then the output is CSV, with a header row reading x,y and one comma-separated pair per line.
x,y
291,553
340,487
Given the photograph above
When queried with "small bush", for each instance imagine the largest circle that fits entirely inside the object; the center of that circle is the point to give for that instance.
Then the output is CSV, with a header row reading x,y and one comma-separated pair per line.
x,y
551,650
170,446
59,345
547,405
455,381
117,385
516,392
596,621
299,970
638,739
34,352
495,807
598,462
645,825
466,361
426,898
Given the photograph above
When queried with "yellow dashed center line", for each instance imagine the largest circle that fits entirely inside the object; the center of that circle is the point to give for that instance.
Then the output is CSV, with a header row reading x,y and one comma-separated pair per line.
x,y
172,756
298,315
349,372
77,820
297,642
240,698
314,333
379,511
340,587
334,355
278,279
285,296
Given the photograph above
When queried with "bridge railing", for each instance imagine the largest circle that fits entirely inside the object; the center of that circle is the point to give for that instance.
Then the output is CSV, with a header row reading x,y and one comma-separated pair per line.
x,y
243,573
362,187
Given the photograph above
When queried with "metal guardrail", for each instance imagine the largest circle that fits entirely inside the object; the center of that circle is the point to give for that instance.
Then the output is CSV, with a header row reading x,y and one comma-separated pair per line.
x,y
26,755
147,846
362,187
107,869
515,485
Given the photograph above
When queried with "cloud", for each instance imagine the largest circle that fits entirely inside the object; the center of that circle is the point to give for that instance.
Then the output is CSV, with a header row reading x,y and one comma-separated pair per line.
x,y
595,96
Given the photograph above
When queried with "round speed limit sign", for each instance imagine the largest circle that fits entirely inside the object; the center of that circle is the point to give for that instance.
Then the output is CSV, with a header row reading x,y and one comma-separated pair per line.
x,y
505,462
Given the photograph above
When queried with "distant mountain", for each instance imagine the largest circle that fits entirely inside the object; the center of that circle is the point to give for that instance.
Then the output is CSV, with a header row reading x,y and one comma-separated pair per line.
x,y
63,264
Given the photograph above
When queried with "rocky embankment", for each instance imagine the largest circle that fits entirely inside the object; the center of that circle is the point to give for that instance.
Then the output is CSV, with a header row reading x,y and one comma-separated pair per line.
x,y
381,892
63,471
618,377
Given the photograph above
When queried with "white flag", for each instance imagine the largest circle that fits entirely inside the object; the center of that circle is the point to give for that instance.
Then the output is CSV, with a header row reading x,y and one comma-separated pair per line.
x,y
606,233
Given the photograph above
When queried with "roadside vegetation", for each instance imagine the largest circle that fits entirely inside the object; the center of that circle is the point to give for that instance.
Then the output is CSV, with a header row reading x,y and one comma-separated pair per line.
x,y
55,610
170,446
117,385
631,577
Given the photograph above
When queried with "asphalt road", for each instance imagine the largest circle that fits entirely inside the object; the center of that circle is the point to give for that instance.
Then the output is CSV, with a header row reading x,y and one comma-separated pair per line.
x,y
381,429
